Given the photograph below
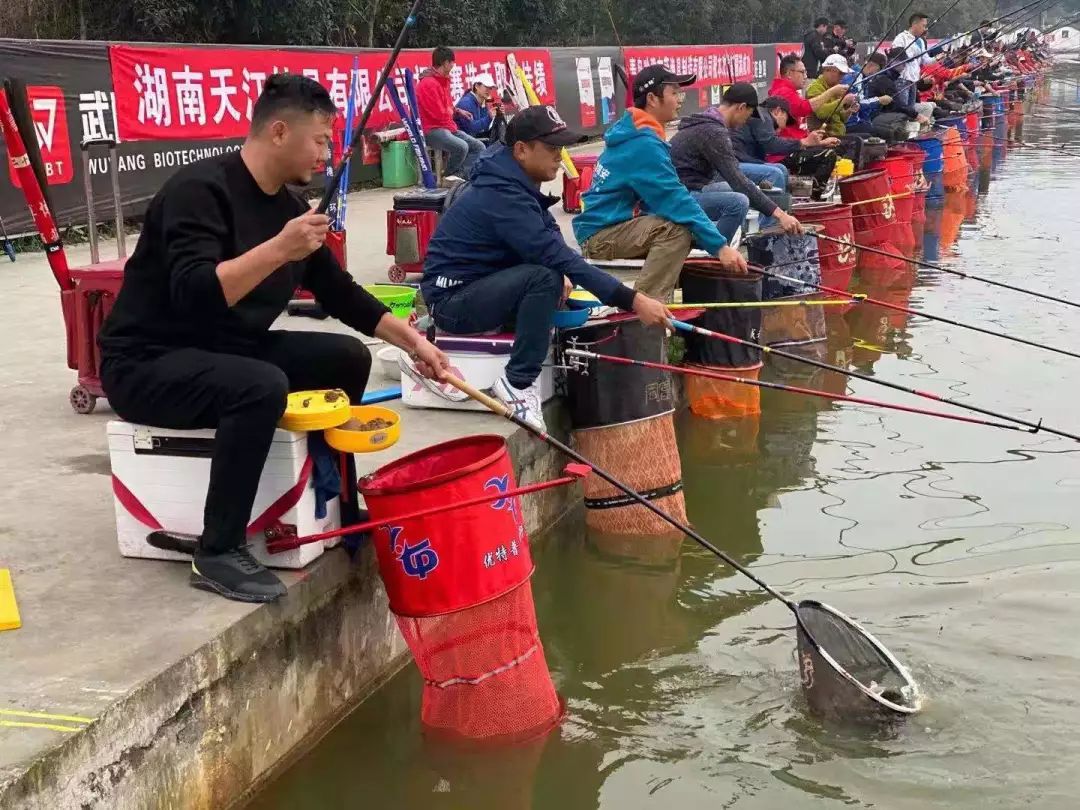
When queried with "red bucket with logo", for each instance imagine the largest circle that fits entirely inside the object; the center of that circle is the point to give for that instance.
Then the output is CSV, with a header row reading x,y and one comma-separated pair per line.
x,y
918,183
837,260
872,206
459,585
902,183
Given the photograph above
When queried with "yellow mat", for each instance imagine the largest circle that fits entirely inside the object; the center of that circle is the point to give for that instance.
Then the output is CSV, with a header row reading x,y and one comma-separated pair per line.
x,y
9,610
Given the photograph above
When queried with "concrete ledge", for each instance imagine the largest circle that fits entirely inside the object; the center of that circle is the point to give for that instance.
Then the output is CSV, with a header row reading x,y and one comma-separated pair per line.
x,y
206,729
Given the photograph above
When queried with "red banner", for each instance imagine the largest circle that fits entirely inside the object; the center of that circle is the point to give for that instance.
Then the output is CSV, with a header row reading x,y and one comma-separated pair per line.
x,y
713,64
165,93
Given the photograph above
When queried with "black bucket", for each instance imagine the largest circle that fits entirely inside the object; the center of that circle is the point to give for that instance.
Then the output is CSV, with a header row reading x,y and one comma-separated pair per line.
x,y
705,282
606,393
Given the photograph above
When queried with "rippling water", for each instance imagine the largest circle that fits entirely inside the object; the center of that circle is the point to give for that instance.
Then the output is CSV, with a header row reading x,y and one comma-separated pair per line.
x,y
956,545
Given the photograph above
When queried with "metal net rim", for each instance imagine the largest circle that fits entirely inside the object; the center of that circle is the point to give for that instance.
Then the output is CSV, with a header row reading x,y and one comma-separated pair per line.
x,y
894,662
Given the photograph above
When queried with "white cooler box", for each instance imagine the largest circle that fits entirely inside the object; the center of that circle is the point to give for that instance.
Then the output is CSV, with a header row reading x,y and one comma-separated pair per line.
x,y
160,478
478,360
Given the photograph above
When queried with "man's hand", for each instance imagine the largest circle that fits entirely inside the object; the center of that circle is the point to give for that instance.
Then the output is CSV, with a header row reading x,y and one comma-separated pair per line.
x,y
850,99
731,259
650,311
813,139
787,222
302,236
567,288
468,116
922,119
836,90
429,359
884,101
831,143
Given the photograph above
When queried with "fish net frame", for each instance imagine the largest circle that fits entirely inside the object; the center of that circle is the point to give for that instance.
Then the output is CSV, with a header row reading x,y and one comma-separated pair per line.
x,y
842,695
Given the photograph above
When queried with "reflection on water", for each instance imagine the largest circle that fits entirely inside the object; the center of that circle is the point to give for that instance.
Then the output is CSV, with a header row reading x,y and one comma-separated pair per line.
x,y
955,544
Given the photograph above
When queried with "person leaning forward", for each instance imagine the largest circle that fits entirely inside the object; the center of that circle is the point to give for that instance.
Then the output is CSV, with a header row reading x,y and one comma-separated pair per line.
x,y
636,206
498,257
188,343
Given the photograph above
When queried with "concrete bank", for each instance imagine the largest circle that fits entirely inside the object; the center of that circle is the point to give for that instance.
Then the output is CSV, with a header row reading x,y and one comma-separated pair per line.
x,y
126,688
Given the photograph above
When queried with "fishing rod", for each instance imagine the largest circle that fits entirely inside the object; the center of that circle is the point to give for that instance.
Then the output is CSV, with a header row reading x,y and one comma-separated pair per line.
x,y
943,269
917,312
794,389
358,132
1063,149
828,302
1033,427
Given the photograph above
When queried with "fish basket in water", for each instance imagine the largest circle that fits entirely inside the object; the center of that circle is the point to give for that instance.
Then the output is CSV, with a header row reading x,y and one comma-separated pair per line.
x,y
645,456
794,326
793,255
846,673
722,399
459,588
837,259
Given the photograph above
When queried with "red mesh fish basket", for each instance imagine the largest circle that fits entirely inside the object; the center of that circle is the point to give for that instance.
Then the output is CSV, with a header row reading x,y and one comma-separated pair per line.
x,y
873,207
837,260
459,586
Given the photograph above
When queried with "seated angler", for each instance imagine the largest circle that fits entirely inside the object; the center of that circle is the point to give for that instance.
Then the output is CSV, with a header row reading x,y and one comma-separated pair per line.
x,y
768,138
636,206
437,115
472,110
188,343
705,161
498,257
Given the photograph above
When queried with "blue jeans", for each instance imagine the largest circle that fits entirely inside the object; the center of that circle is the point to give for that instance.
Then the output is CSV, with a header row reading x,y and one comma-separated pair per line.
x,y
775,173
723,206
461,147
906,97
524,296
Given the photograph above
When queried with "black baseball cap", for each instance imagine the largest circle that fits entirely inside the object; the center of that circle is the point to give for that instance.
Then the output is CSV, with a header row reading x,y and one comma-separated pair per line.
x,y
777,103
652,78
541,123
741,93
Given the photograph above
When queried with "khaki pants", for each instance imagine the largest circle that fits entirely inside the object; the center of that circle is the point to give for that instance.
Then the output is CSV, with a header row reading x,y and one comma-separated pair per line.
x,y
663,244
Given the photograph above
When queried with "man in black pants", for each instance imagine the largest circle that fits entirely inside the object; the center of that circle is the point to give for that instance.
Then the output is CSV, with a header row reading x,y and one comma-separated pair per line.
x,y
188,343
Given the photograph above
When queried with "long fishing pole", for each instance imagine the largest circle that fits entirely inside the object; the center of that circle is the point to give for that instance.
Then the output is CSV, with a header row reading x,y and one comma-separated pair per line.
x,y
917,312
1063,149
828,302
358,132
1035,427
500,409
950,270
794,389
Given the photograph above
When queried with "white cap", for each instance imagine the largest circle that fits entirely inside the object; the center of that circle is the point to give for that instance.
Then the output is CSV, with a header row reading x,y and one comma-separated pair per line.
x,y
836,61
484,79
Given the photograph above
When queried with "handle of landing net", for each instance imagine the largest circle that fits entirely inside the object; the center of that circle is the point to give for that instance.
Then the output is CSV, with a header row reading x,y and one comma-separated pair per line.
x,y
488,402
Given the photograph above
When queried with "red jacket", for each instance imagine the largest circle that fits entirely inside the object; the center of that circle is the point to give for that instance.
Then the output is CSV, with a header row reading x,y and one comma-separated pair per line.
x,y
800,107
433,99
790,131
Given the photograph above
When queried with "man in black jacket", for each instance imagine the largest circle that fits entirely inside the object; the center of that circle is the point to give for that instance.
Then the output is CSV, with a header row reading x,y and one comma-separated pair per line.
x,y
759,139
887,82
814,50
188,343
836,41
705,161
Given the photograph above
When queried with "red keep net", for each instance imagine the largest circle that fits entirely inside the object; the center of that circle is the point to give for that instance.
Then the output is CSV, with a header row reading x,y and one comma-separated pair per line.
x,y
458,583
484,670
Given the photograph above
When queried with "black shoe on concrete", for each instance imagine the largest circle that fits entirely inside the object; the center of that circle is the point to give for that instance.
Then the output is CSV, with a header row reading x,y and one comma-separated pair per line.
x,y
235,575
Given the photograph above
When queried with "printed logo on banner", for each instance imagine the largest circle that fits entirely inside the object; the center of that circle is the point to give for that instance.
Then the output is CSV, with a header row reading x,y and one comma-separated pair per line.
x,y
586,94
417,560
49,115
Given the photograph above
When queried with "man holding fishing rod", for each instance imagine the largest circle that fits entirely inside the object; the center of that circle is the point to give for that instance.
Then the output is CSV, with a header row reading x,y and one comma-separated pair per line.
x,y
188,343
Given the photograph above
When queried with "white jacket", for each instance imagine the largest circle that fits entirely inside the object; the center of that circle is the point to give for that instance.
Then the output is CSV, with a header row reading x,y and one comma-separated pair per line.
x,y
913,46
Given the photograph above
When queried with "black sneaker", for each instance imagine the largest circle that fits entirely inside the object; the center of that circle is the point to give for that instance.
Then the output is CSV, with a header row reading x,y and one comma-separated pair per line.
x,y
235,575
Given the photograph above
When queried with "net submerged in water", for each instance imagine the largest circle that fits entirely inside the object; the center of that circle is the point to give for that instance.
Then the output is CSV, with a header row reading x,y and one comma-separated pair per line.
x,y
847,674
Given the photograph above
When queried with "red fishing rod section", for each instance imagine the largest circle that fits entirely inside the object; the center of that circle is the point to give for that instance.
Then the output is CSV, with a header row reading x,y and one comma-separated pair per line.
x,y
794,389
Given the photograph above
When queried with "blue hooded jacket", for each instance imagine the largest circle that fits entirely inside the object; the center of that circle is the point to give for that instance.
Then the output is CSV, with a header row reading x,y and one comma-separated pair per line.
x,y
635,176
501,220
480,122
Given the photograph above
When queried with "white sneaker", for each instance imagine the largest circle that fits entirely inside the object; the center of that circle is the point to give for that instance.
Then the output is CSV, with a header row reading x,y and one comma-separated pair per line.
x,y
525,403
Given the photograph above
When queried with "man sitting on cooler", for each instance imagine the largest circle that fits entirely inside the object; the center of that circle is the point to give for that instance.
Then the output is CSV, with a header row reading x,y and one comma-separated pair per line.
x,y
437,116
498,258
188,343
636,206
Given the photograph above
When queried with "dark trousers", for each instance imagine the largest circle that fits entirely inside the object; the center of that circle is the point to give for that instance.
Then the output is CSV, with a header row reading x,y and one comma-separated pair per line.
x,y
243,398
523,297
